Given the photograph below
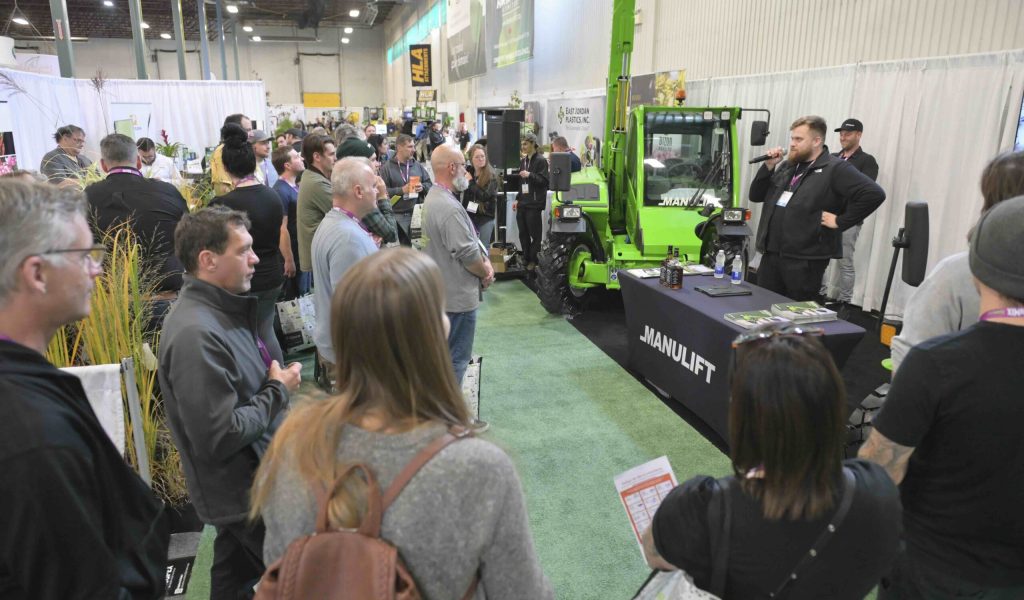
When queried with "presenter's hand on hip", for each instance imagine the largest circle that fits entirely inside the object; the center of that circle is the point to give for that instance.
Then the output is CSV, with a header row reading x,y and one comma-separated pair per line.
x,y
290,376
777,155
829,220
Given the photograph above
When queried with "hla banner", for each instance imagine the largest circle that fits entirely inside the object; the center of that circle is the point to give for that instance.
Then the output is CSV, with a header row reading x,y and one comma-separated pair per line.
x,y
467,52
510,31
576,119
419,65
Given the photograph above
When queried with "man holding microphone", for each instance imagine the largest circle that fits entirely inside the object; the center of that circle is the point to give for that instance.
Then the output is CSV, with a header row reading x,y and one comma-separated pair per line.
x,y
809,199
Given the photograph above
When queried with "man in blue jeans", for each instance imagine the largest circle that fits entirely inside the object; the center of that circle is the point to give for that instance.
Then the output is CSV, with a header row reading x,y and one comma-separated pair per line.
x,y
452,242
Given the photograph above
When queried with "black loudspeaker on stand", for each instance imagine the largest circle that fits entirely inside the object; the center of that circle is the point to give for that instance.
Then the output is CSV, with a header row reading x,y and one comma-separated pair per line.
x,y
560,172
913,240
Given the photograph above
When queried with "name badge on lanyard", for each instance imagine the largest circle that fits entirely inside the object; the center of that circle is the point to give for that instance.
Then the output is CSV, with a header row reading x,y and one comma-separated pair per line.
x,y
784,199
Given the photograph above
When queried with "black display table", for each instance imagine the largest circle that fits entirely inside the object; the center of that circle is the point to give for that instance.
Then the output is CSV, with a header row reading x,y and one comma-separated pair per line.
x,y
681,344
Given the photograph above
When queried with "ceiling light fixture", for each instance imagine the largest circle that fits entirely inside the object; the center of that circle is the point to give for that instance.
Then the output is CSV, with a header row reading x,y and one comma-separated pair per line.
x,y
353,13
232,8
348,30
145,25
108,3
247,28
256,38
344,40
165,35
17,16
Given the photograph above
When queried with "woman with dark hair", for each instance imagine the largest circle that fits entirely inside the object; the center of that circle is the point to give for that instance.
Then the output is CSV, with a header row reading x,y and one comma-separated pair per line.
x,y
380,147
461,520
263,206
794,517
480,198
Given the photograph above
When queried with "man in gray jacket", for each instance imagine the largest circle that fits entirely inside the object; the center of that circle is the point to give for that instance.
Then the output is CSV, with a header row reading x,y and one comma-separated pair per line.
x,y
406,178
223,393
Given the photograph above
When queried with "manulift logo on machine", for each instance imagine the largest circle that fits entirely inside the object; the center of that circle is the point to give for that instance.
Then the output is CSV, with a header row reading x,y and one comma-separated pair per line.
x,y
674,202
678,352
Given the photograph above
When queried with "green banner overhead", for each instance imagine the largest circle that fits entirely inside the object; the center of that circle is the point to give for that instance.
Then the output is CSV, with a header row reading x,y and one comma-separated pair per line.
x,y
510,31
467,52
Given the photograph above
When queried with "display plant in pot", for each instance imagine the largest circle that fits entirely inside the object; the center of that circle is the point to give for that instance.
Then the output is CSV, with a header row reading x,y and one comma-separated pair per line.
x,y
117,328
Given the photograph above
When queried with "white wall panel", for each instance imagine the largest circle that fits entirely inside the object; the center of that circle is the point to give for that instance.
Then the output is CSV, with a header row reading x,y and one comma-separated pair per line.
x,y
738,37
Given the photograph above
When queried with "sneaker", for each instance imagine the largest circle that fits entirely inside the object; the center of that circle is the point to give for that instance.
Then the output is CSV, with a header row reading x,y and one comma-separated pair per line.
x,y
479,426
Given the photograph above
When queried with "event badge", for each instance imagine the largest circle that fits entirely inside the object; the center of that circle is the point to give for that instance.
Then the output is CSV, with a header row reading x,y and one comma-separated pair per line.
x,y
471,207
784,199
526,188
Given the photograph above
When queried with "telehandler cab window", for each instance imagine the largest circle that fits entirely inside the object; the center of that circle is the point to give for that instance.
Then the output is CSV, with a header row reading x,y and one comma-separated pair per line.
x,y
680,154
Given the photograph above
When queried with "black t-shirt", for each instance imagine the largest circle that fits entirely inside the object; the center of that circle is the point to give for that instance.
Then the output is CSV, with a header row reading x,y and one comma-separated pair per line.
x,y
958,400
263,206
762,552
153,207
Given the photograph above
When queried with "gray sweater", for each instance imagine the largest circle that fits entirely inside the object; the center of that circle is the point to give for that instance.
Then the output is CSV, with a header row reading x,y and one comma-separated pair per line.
x,y
452,242
946,301
463,512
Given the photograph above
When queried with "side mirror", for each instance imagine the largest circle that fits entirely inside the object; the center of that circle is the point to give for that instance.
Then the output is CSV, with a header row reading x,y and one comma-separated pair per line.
x,y
758,133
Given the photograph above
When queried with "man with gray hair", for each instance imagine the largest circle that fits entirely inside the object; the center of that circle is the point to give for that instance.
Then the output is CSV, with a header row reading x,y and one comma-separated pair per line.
x,y
223,393
340,241
77,522
151,207
949,435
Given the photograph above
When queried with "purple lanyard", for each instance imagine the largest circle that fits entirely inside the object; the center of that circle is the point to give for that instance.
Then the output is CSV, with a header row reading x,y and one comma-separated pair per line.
x,y
1015,312
795,181
264,352
246,179
126,170
408,171
6,339
353,216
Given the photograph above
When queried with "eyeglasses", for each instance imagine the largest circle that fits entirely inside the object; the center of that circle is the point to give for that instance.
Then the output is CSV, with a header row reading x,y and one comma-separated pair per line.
x,y
95,254
791,330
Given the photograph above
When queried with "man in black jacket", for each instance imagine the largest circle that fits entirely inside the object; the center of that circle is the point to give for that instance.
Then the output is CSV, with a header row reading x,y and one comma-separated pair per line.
x,y
151,207
809,200
77,522
849,139
532,199
223,393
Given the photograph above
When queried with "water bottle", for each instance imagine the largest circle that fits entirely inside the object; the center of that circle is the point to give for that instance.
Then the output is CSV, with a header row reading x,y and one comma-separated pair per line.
x,y
737,270
720,265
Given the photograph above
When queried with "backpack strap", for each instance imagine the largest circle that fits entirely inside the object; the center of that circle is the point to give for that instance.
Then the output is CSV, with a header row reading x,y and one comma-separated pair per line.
x,y
720,515
455,433
826,534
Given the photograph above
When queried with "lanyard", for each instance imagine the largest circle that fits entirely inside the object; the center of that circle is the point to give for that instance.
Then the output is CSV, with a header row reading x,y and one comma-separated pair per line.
x,y
408,169
246,179
6,338
797,178
455,199
353,216
125,170
1016,312
264,352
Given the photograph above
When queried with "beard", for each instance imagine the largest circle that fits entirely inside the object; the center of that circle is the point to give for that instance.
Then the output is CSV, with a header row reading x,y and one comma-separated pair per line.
x,y
460,184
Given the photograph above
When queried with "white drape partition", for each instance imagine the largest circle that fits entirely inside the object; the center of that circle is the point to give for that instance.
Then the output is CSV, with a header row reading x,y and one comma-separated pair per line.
x,y
191,112
932,124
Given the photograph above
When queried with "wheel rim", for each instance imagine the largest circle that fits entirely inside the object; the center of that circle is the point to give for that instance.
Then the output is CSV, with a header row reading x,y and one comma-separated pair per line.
x,y
579,254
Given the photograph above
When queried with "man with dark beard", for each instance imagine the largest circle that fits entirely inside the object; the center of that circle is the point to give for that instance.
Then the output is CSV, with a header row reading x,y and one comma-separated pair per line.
x,y
809,199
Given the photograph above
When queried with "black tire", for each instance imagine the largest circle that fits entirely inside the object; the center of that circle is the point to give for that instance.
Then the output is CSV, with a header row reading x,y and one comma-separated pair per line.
x,y
553,273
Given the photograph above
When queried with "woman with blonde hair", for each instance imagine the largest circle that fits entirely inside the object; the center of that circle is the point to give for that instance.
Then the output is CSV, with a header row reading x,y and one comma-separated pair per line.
x,y
463,514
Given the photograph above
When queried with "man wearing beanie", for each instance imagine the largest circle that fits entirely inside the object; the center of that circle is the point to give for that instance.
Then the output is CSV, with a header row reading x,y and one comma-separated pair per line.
x,y
949,435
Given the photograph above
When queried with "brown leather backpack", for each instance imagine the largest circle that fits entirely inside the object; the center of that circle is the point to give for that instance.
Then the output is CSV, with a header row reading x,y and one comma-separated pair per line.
x,y
355,565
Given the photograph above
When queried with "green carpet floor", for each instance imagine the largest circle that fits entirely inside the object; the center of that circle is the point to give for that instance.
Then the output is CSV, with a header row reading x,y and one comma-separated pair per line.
x,y
571,419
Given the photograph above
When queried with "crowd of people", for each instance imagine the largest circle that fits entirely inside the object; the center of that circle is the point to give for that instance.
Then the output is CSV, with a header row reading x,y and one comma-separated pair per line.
x,y
927,511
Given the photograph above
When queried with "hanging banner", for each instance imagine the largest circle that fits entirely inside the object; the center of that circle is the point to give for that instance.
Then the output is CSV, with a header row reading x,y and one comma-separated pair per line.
x,y
426,96
576,119
467,52
510,31
419,65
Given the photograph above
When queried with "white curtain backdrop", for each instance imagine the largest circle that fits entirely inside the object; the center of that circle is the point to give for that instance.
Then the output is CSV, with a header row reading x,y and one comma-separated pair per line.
x,y
932,124
191,112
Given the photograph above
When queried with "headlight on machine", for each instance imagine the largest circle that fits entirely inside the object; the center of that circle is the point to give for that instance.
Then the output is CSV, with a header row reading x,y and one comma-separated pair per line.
x,y
568,212
734,215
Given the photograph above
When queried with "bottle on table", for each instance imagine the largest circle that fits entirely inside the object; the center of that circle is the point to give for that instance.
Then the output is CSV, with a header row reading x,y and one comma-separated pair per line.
x,y
675,272
720,265
663,280
737,270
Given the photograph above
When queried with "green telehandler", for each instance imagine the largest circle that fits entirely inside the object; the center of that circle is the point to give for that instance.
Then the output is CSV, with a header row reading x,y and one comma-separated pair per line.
x,y
669,176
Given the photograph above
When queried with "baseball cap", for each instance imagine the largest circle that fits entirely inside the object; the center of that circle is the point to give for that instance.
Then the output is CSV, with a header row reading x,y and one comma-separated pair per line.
x,y
354,146
258,135
296,132
851,125
996,248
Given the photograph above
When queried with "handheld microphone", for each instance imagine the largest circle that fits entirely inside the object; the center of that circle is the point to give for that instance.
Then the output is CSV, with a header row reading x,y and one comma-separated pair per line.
x,y
762,158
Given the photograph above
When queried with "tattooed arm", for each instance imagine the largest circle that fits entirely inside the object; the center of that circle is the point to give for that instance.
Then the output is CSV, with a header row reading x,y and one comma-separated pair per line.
x,y
887,453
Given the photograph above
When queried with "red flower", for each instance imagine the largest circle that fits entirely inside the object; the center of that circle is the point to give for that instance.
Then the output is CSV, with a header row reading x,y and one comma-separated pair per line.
x,y
163,134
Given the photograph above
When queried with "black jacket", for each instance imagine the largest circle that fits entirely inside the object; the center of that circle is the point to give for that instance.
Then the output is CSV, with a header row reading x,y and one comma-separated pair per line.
x,y
484,197
154,208
76,521
221,408
830,185
537,197
863,162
